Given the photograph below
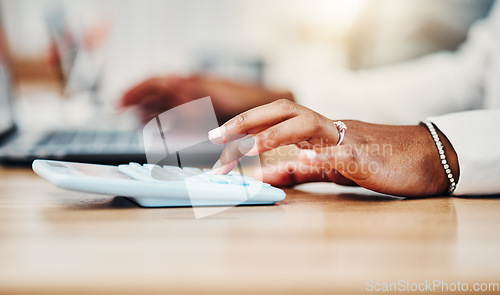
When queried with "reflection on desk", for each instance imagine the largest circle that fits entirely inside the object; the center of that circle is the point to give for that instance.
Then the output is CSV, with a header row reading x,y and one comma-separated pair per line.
x,y
54,241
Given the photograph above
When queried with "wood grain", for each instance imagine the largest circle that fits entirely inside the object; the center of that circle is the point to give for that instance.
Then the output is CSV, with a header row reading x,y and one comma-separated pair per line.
x,y
327,242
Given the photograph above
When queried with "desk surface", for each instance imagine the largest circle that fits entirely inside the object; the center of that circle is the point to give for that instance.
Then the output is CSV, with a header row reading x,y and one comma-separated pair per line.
x,y
53,241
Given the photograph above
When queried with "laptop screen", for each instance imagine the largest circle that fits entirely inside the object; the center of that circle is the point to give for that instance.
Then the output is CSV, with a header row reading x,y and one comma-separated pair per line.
x,y
6,119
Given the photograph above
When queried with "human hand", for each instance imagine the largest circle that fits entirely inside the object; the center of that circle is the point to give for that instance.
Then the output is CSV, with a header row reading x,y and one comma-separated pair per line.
x,y
397,160
161,93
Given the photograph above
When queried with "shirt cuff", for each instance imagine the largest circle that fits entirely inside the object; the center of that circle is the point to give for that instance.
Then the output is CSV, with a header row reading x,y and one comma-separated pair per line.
x,y
475,136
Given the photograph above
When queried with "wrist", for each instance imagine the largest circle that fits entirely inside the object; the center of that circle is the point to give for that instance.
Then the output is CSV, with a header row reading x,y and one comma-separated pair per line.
x,y
451,155
445,167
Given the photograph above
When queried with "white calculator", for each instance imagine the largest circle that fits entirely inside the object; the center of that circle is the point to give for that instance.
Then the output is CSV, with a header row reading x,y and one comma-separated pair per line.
x,y
159,186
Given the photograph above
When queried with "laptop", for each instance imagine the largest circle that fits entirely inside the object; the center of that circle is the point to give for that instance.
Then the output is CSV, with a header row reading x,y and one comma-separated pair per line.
x,y
83,145
112,147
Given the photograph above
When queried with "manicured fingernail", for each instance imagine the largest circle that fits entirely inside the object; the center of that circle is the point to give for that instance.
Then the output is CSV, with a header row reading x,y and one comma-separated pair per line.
x,y
311,155
216,166
216,135
219,169
248,146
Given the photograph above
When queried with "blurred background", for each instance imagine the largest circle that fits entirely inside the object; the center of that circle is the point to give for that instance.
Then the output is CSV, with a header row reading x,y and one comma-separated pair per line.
x,y
106,46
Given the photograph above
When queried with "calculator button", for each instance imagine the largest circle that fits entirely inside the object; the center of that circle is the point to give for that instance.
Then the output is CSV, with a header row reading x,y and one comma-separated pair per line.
x,y
246,178
191,170
133,173
135,165
149,166
172,173
239,182
189,174
172,169
197,178
166,176
170,178
218,179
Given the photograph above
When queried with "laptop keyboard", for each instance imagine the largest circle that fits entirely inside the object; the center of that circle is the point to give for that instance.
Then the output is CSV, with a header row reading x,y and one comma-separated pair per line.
x,y
85,142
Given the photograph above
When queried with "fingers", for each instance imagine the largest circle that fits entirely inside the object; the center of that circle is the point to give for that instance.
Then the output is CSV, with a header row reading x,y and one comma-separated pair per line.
x,y
255,120
136,94
291,173
156,87
230,157
332,155
304,145
337,158
294,130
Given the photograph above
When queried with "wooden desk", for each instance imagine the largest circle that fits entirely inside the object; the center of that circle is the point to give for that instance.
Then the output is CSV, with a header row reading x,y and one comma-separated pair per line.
x,y
58,242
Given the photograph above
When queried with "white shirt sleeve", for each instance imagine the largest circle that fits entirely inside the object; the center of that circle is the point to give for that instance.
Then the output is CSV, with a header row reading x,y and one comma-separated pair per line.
x,y
444,83
475,136
405,93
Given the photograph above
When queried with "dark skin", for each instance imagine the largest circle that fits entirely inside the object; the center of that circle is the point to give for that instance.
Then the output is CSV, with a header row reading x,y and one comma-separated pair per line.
x,y
396,160
158,94
404,159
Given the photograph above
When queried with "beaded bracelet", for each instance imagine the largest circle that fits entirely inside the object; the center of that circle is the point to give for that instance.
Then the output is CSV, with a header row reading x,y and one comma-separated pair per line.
x,y
442,155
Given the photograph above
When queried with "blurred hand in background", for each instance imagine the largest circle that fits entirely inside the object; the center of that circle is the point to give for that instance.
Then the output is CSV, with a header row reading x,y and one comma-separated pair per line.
x,y
158,94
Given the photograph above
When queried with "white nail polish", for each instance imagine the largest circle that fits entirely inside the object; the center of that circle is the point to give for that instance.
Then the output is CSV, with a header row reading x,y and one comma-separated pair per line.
x,y
216,134
217,164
